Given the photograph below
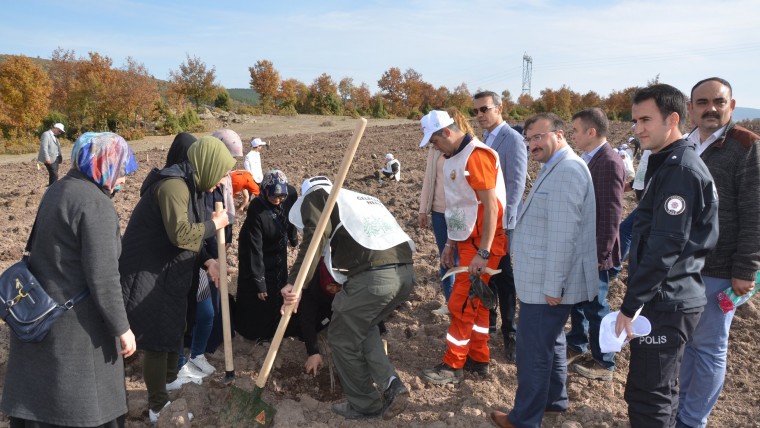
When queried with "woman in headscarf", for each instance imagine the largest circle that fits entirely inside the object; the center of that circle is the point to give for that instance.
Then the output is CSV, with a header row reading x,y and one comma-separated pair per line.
x,y
203,297
75,376
161,245
263,259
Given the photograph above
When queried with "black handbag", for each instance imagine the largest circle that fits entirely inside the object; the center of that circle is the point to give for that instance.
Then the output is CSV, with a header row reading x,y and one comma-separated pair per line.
x,y
26,306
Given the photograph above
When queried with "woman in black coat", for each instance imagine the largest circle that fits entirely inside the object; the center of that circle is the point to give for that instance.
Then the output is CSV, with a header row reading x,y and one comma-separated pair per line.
x,y
263,259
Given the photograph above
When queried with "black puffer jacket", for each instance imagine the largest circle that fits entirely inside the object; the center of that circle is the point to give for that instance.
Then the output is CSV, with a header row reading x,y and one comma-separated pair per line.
x,y
676,227
156,276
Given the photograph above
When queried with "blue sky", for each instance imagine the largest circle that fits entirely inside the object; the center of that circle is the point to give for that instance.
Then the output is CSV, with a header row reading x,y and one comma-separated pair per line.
x,y
586,45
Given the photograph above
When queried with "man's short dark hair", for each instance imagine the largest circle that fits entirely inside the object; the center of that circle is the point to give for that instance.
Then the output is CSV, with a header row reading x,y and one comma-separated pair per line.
x,y
594,118
667,98
494,97
557,123
723,82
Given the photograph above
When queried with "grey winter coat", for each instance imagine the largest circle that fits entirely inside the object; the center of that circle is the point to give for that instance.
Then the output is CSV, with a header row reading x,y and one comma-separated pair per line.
x,y
75,376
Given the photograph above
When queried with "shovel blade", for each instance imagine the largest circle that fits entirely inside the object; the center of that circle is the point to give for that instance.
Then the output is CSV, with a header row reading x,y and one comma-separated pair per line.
x,y
246,409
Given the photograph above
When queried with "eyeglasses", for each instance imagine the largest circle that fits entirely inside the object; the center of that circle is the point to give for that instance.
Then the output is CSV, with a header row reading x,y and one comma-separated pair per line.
x,y
536,137
482,109
280,196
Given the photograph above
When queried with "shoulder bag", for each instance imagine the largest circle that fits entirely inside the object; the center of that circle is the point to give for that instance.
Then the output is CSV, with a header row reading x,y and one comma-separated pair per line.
x,y
25,305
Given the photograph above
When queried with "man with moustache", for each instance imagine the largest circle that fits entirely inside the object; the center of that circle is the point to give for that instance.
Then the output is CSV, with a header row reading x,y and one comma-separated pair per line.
x,y
676,226
590,128
555,267
513,158
732,154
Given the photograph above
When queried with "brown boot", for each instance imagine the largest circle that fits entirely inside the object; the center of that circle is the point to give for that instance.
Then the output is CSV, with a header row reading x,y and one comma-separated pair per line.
x,y
501,420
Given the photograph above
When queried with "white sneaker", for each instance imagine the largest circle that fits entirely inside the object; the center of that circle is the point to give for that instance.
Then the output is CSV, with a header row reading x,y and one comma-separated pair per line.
x,y
189,370
202,364
153,416
443,310
181,380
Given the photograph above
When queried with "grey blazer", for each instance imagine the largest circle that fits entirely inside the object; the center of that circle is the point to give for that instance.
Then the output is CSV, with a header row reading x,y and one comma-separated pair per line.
x,y
513,156
554,241
50,148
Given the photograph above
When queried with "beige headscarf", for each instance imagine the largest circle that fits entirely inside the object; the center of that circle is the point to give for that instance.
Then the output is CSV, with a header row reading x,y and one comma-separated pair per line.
x,y
211,160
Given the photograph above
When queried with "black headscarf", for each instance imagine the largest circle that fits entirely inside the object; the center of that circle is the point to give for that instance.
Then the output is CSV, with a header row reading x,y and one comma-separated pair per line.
x,y
178,150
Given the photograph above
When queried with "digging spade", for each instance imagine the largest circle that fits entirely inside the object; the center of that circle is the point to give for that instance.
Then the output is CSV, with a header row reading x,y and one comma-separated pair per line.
x,y
246,408
229,367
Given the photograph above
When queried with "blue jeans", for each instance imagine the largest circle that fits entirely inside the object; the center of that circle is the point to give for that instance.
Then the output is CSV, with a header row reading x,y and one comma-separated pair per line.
x,y
703,368
441,235
541,363
585,319
204,322
626,232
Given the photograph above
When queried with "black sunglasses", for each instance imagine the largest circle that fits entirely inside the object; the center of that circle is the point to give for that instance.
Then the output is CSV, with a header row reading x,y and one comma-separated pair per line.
x,y
482,109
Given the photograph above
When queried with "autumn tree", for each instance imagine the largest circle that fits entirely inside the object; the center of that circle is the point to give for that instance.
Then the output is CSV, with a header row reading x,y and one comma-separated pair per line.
x,y
391,86
414,88
194,81
89,105
346,89
618,103
266,81
362,99
461,98
506,102
24,96
137,93
590,99
324,97
62,73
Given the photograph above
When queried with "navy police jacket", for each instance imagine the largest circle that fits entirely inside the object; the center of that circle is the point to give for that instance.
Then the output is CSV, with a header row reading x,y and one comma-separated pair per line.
x,y
675,227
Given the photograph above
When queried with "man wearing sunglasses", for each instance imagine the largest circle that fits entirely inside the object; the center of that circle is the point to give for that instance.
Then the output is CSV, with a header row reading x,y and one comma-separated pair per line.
x,y
513,157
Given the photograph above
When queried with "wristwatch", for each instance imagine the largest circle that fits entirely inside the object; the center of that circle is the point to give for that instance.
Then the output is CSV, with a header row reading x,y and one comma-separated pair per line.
x,y
484,254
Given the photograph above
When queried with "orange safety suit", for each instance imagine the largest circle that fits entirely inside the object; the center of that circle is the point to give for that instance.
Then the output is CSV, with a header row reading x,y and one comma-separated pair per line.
x,y
468,332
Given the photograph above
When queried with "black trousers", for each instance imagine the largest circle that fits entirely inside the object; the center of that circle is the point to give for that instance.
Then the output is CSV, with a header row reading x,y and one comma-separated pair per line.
x,y
503,286
52,169
651,390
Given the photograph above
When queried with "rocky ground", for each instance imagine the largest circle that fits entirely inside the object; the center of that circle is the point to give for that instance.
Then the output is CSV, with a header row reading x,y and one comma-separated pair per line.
x,y
416,338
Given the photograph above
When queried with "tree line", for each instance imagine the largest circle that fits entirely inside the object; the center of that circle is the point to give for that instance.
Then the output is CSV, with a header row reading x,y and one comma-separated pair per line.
x,y
88,93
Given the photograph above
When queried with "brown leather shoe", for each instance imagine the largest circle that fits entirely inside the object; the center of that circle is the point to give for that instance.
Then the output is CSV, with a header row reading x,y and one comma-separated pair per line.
x,y
501,420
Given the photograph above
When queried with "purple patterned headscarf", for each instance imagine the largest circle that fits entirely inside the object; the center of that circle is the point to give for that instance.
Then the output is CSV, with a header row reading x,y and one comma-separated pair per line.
x,y
104,157
274,183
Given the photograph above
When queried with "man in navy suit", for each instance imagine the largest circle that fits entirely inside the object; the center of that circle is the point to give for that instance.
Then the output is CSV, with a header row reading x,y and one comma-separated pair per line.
x,y
513,157
590,129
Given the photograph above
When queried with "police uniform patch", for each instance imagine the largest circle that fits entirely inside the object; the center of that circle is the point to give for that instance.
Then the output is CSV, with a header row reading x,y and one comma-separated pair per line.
x,y
675,205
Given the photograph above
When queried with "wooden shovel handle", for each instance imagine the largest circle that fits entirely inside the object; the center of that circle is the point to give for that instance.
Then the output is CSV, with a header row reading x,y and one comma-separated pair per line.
x,y
261,380
229,365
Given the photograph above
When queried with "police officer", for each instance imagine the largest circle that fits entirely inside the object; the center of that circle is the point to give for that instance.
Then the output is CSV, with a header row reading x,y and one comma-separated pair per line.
x,y
675,227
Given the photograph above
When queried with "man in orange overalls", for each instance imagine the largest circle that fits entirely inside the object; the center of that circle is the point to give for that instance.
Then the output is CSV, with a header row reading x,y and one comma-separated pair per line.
x,y
475,206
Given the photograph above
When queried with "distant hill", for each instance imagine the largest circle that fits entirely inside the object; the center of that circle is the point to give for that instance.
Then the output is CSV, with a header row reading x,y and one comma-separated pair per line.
x,y
741,113
244,95
41,62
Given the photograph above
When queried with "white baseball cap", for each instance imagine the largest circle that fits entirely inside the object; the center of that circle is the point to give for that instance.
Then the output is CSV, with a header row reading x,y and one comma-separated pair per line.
x,y
389,156
59,126
256,142
432,122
